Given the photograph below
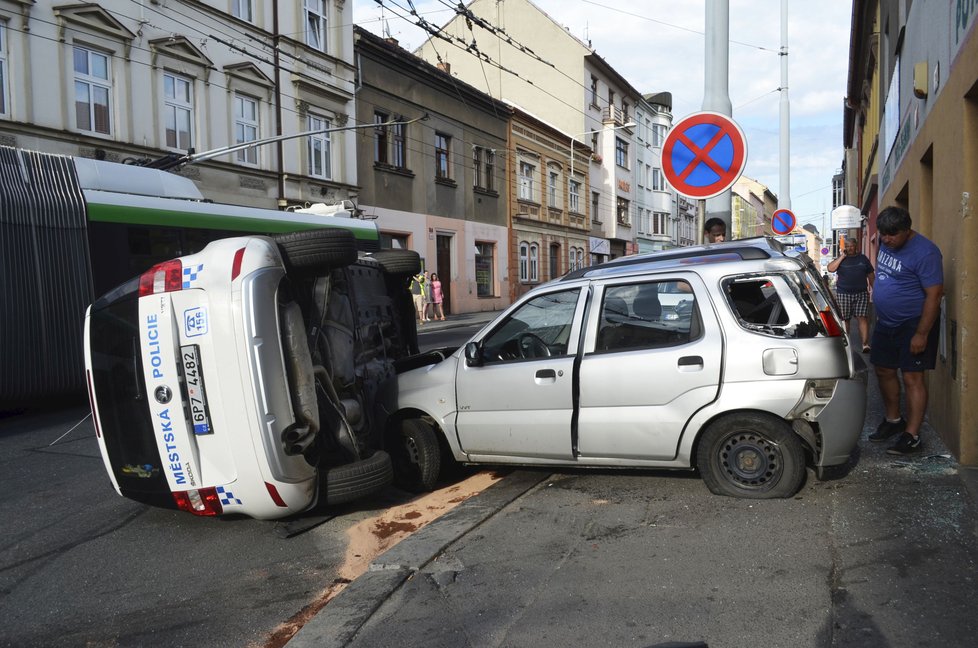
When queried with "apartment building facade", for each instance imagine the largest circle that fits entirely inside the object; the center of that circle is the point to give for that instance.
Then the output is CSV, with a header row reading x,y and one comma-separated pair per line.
x,y
550,223
126,81
658,226
559,79
438,185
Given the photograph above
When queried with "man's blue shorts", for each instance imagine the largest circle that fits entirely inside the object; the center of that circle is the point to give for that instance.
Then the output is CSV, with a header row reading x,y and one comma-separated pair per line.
x,y
891,347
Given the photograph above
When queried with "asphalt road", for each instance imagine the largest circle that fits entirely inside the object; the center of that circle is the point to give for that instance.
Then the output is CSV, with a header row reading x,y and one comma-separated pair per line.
x,y
80,565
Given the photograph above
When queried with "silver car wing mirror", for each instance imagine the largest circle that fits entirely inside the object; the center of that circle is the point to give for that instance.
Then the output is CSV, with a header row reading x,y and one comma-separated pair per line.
x,y
473,354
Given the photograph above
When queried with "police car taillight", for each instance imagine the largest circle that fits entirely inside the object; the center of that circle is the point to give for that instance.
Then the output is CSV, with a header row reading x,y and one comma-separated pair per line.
x,y
203,501
163,277
236,264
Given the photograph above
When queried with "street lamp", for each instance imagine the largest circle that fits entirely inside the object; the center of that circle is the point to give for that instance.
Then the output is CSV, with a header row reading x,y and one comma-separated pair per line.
x,y
591,132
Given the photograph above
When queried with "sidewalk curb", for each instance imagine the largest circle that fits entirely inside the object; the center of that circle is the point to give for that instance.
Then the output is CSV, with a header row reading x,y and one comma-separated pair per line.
x,y
338,622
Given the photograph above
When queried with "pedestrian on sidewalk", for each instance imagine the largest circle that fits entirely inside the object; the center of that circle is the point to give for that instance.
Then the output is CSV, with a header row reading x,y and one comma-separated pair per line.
x,y
714,231
437,297
907,296
419,292
854,280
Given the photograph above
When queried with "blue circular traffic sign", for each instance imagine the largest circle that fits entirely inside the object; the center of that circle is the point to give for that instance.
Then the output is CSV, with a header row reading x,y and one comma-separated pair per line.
x,y
783,221
704,154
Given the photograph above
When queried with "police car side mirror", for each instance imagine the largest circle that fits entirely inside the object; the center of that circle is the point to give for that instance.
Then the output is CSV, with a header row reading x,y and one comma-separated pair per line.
x,y
473,354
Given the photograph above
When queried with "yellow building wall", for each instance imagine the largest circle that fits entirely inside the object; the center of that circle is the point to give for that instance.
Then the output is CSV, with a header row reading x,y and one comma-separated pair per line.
x,y
937,181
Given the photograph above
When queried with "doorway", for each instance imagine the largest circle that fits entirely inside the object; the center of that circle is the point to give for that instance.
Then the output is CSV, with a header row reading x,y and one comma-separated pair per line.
x,y
443,263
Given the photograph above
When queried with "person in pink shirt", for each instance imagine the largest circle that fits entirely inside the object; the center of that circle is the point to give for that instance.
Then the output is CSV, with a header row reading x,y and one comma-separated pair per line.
x,y
436,298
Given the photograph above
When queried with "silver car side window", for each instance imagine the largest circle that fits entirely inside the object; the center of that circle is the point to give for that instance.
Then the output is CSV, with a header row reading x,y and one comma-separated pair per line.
x,y
539,328
646,315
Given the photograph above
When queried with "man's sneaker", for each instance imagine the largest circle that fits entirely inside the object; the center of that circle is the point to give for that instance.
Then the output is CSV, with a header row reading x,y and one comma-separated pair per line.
x,y
888,429
905,445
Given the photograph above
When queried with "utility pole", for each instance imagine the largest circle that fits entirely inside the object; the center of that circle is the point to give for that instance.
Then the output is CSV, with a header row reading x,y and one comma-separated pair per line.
x,y
716,93
784,188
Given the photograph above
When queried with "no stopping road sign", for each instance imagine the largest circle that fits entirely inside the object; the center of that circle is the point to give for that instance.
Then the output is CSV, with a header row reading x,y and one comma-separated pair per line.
x,y
704,154
783,221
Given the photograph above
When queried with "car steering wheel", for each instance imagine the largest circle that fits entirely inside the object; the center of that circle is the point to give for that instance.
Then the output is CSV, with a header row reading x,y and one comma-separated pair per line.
x,y
532,346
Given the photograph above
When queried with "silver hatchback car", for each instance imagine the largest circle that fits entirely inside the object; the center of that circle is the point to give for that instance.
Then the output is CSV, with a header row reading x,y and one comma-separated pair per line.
x,y
728,358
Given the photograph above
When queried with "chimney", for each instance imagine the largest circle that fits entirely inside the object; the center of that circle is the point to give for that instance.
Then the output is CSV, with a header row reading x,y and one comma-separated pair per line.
x,y
445,67
390,40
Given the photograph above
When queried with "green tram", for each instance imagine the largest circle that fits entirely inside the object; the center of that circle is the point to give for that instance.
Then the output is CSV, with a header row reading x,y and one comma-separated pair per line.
x,y
73,228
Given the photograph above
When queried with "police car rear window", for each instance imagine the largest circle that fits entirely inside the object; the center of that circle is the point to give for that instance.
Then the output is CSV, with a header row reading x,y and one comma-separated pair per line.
x,y
120,394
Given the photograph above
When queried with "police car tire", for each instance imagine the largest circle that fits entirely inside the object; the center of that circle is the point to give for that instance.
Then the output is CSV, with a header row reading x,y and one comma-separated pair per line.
x,y
416,456
358,479
315,250
398,262
772,457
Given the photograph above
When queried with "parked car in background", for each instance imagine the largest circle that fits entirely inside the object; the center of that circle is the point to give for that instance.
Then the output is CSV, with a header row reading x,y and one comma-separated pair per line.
x,y
730,359
254,377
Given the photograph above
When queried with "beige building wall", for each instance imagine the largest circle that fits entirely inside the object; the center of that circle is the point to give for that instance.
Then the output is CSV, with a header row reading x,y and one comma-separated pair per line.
x,y
559,83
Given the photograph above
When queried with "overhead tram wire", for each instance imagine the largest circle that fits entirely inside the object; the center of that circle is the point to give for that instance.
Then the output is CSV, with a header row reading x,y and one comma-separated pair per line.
x,y
465,46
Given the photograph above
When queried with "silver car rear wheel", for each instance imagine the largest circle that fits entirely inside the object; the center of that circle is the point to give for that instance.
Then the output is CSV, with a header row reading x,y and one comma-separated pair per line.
x,y
751,455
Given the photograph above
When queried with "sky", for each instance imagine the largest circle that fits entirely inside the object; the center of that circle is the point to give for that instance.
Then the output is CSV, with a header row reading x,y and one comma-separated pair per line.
x,y
658,45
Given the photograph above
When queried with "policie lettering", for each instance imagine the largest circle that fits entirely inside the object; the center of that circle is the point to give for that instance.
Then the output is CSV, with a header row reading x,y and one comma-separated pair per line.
x,y
153,342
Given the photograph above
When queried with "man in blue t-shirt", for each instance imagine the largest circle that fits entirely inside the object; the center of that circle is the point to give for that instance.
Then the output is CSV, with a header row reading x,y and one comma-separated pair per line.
x,y
907,295
855,278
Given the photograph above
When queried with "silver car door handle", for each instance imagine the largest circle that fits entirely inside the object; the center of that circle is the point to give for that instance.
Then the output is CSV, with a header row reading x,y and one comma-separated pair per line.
x,y
691,361
546,376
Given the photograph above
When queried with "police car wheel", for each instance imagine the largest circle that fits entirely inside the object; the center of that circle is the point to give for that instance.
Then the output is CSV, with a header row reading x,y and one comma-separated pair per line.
x,y
317,250
398,262
357,479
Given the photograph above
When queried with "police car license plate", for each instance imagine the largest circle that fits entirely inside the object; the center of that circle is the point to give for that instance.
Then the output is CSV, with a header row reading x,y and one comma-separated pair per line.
x,y
196,396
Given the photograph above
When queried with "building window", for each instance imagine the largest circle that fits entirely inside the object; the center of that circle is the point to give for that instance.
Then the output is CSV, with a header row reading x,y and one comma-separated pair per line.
x,y
315,13
594,91
484,253
659,222
553,182
574,195
246,127
443,145
595,199
524,261
490,168
554,260
622,212
477,165
243,9
534,262
394,241
178,111
483,166
658,180
579,262
526,180
93,108
658,134
621,152
380,138
320,149
3,69
398,154
624,111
